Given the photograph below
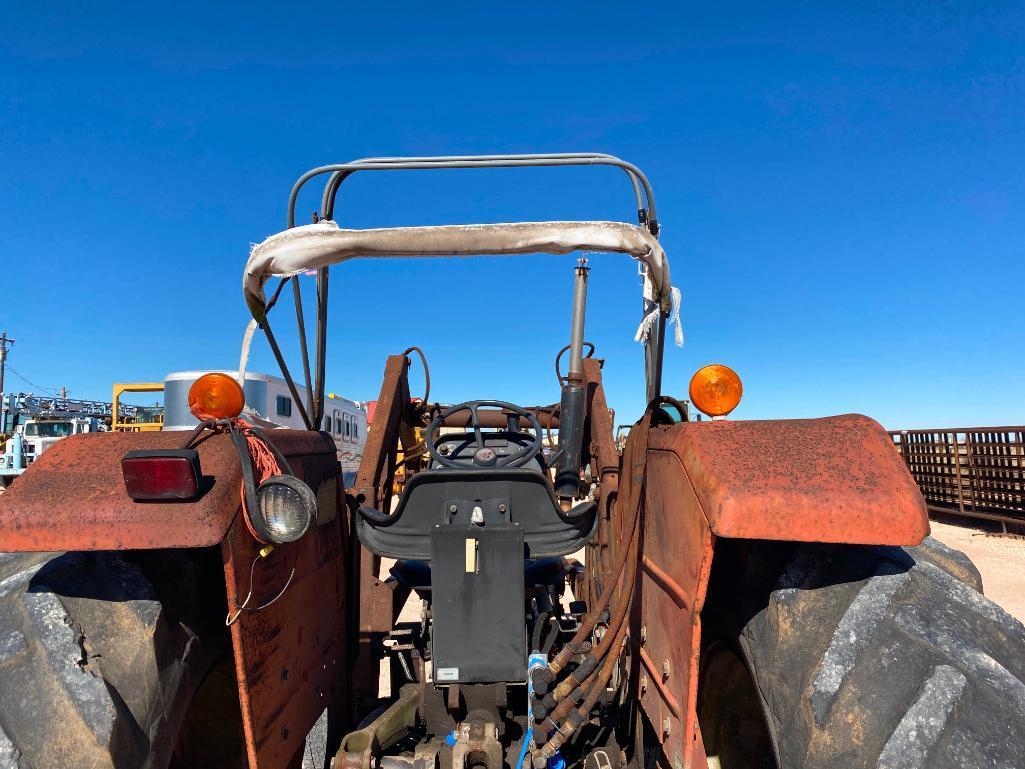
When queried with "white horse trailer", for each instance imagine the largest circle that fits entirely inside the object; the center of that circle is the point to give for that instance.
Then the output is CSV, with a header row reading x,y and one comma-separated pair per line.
x,y
269,399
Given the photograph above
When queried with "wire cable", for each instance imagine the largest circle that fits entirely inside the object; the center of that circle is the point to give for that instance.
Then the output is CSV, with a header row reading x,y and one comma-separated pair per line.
x,y
48,390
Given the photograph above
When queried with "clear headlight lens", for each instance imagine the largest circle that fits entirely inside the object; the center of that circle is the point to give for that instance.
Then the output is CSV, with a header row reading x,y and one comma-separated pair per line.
x,y
288,508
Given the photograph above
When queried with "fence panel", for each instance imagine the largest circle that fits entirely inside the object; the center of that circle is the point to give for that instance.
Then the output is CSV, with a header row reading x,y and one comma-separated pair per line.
x,y
973,471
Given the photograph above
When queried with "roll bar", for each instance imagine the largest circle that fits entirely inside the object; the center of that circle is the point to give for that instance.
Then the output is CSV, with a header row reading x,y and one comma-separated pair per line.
x,y
313,413
643,194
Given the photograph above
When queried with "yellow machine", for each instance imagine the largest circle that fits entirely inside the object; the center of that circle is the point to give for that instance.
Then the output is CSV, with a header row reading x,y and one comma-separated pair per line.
x,y
147,419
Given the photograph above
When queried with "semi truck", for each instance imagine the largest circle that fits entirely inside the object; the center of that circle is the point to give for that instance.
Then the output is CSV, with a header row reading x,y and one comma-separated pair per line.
x,y
35,436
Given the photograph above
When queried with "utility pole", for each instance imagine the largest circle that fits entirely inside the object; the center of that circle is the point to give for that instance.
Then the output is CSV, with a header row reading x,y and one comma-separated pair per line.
x,y
4,342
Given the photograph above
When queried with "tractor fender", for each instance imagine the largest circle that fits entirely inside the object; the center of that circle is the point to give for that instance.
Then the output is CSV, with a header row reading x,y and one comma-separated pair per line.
x,y
73,497
835,479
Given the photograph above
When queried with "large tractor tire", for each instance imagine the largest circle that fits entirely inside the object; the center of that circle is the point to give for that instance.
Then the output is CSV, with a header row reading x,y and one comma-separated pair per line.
x,y
843,656
102,655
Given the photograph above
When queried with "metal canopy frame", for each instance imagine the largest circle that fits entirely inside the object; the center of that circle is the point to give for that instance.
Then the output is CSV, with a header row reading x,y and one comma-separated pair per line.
x,y
312,412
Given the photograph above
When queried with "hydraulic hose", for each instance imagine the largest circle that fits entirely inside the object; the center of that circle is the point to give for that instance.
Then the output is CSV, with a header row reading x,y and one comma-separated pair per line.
x,y
591,661
427,370
591,619
584,686
535,637
563,731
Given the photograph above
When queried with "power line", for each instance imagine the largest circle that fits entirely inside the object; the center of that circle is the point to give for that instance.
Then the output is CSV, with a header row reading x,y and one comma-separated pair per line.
x,y
26,380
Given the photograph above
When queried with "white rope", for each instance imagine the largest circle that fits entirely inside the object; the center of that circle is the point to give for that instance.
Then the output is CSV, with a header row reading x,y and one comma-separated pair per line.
x,y
650,308
652,312
243,361
675,317
252,416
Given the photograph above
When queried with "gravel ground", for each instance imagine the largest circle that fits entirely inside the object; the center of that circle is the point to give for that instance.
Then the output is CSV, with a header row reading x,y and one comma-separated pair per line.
x,y
1000,560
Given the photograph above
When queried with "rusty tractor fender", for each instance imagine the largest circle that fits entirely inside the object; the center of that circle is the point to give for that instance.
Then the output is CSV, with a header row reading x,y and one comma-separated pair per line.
x,y
836,479
290,655
73,498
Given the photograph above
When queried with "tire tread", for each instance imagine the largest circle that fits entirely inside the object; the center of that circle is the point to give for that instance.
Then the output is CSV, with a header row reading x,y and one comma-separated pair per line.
x,y
884,657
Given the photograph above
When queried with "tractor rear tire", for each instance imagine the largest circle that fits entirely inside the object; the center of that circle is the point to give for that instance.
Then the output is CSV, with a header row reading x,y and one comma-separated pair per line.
x,y
101,654
858,657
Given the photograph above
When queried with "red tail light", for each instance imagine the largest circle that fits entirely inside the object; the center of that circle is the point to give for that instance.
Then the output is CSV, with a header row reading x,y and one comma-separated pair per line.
x,y
161,474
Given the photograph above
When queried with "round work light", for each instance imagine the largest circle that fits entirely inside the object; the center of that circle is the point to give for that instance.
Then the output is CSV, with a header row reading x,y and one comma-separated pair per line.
x,y
287,509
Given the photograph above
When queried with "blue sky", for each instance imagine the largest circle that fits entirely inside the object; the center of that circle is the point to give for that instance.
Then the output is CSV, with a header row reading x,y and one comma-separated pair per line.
x,y
842,192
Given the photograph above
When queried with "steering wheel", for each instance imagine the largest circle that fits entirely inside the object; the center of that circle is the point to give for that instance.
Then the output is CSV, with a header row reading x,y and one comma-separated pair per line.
x,y
484,456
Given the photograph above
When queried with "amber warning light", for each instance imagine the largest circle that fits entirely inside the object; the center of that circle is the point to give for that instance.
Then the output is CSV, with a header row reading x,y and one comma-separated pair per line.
x,y
216,396
716,390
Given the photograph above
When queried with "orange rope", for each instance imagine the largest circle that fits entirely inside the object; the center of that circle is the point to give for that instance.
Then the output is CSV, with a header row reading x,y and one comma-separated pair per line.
x,y
265,464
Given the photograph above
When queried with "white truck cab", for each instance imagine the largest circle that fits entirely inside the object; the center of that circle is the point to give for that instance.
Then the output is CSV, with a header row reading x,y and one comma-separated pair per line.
x,y
35,436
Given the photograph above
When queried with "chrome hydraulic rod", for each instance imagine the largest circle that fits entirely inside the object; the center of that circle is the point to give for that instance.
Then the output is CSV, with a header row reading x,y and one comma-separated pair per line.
x,y
573,405
576,334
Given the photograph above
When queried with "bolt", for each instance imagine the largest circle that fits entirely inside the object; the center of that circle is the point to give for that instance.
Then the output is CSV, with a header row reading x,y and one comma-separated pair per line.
x,y
667,726
644,684
644,633
453,509
665,669
502,508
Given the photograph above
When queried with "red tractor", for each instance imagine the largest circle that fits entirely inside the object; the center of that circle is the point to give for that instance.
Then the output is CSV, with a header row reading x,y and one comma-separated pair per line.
x,y
502,586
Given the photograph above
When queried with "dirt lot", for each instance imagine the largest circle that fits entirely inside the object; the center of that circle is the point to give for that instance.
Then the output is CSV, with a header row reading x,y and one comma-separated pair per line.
x,y
1001,560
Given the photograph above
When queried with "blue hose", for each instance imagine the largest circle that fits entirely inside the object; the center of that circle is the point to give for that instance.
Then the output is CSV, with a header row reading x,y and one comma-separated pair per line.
x,y
534,661
523,750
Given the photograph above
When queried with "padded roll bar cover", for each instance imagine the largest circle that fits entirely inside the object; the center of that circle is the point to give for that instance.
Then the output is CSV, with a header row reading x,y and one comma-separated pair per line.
x,y
835,479
324,243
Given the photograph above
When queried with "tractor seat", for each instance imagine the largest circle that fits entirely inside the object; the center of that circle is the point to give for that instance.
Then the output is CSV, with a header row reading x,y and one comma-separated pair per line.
x,y
476,498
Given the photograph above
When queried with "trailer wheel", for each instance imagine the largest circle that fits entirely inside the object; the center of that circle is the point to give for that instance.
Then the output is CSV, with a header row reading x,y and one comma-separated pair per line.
x,y
857,656
101,655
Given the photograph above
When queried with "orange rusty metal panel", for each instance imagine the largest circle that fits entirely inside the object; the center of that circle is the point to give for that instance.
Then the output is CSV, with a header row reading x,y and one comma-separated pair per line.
x,y
604,460
835,479
73,498
676,556
374,484
290,656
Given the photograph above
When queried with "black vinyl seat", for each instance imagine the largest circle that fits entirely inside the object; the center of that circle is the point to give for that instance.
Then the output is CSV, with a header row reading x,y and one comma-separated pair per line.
x,y
479,497
472,533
